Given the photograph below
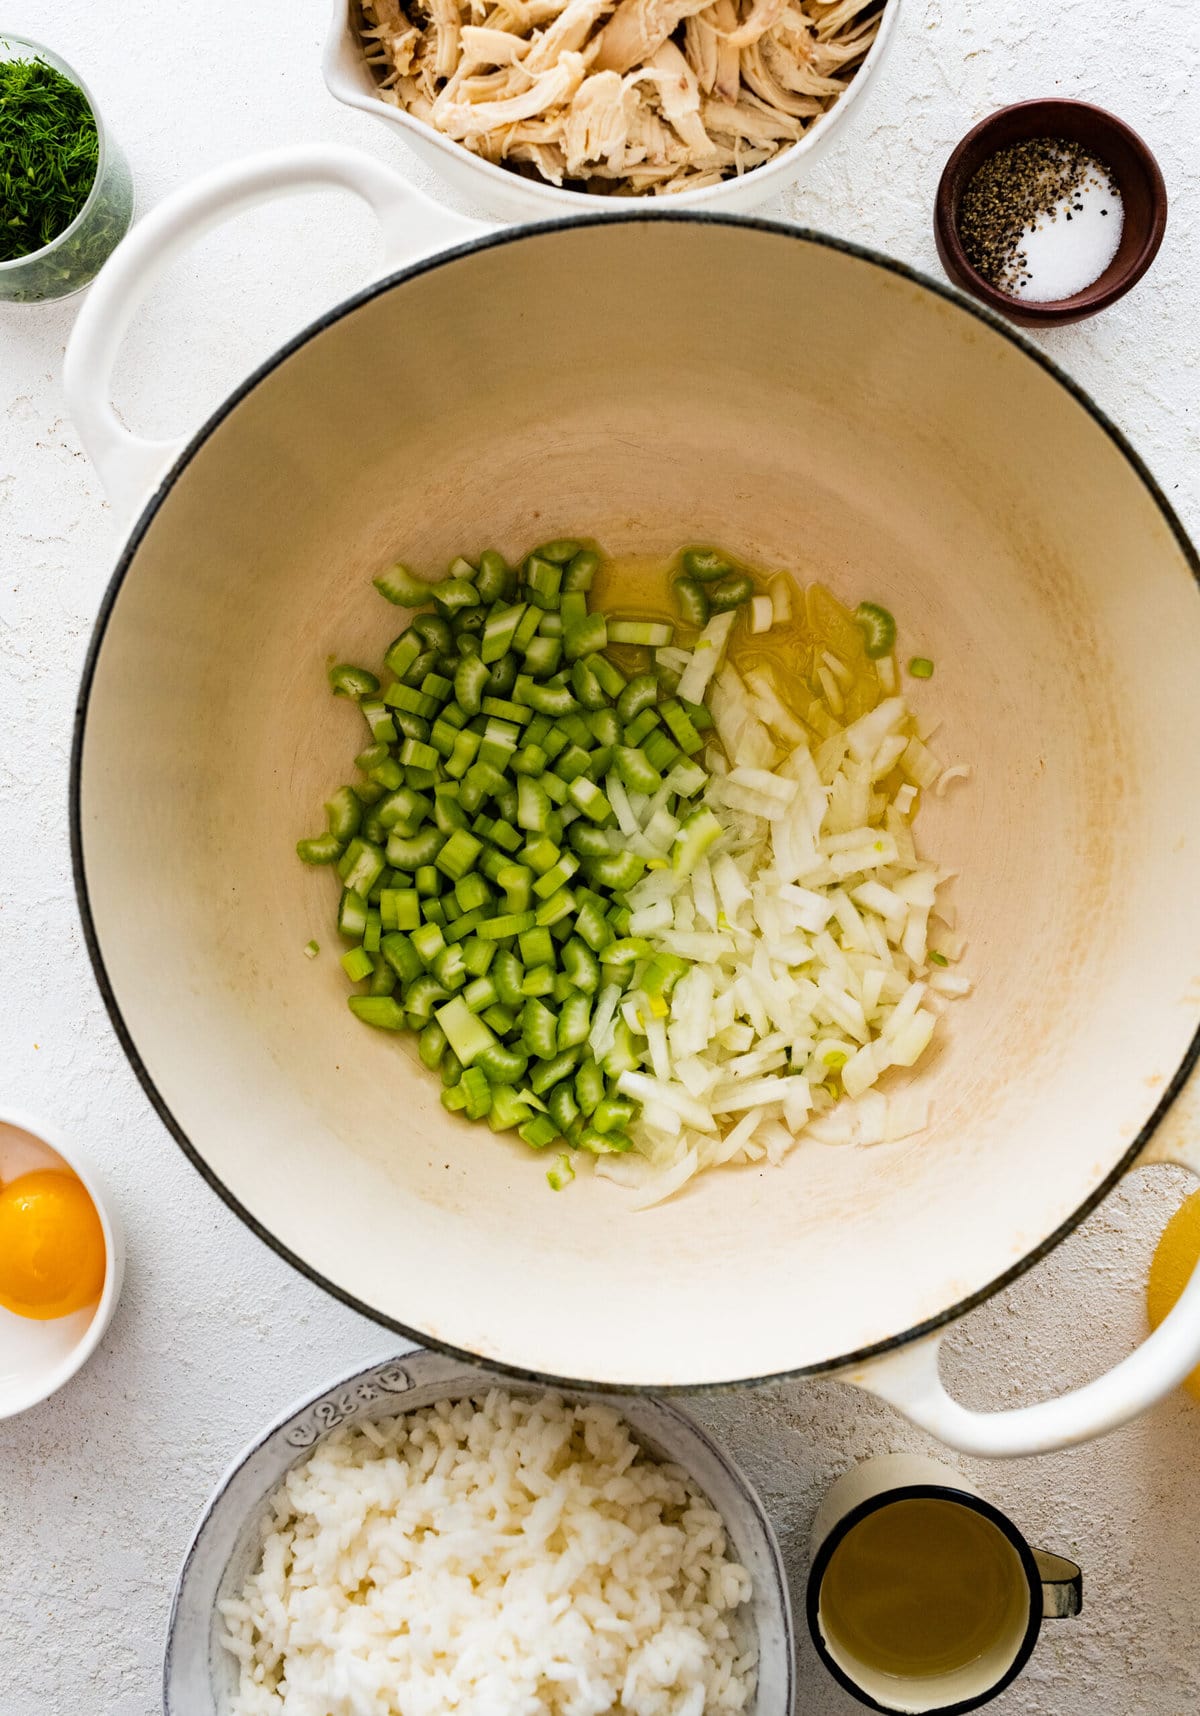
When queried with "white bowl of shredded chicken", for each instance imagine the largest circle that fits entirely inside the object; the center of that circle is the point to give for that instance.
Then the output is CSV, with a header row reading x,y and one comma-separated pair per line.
x,y
538,108
421,1538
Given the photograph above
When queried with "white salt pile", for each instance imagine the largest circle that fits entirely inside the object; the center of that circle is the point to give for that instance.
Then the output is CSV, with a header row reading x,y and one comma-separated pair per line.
x,y
1067,248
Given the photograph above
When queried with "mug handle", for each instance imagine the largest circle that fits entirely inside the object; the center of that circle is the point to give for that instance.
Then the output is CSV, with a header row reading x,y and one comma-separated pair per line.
x,y
908,1379
131,466
1062,1585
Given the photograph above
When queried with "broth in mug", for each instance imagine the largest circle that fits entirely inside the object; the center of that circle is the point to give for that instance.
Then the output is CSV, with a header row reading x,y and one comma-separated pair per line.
x,y
922,1588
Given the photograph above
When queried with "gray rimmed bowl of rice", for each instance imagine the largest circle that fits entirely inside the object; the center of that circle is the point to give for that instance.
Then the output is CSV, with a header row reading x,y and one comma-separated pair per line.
x,y
423,1537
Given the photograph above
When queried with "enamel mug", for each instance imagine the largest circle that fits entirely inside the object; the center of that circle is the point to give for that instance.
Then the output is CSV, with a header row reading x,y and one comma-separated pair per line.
x,y
923,1597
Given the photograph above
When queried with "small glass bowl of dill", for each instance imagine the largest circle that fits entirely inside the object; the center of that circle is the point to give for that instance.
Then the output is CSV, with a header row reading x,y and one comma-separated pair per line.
x,y
66,195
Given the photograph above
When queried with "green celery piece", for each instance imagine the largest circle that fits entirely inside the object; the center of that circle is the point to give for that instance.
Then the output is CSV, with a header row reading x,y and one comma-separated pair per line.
x,y
399,586
466,1034
357,964
560,551
319,849
378,1010
653,634
562,1173
696,835
588,798
538,1132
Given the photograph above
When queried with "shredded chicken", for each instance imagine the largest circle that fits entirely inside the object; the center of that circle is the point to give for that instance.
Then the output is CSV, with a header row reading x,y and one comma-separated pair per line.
x,y
632,97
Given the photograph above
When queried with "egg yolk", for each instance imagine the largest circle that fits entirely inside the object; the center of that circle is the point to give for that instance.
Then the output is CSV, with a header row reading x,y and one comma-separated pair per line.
x,y
52,1256
1174,1259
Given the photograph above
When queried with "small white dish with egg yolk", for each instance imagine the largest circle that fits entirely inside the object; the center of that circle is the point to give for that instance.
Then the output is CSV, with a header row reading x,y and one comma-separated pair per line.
x,y
38,1354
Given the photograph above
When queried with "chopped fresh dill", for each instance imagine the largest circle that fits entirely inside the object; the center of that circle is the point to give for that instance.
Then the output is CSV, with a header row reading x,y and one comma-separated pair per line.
x,y
49,152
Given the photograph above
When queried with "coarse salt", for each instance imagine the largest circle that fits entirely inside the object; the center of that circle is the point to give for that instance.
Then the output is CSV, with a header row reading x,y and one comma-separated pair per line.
x,y
1064,251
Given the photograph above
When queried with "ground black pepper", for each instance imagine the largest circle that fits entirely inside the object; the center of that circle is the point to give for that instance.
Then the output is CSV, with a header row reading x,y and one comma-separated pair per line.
x,y
1016,188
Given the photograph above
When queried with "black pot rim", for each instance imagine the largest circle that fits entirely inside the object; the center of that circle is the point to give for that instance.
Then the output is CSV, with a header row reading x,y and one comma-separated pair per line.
x,y
925,1492
530,234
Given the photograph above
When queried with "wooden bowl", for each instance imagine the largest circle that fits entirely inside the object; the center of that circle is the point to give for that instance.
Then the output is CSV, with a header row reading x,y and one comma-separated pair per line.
x,y
1111,141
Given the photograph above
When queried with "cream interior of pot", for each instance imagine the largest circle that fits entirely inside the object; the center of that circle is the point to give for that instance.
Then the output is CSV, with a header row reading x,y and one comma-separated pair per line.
x,y
649,384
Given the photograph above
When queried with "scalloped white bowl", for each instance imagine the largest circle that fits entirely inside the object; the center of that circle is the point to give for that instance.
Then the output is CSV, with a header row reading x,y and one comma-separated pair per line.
x,y
506,195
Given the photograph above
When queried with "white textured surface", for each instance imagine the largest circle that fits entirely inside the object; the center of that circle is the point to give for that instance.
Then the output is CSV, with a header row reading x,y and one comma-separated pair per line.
x,y
99,1488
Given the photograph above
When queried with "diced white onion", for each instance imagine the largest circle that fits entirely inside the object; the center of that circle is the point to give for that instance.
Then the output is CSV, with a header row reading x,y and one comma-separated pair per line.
x,y
807,928
673,659
644,1089
780,592
706,658
957,772
757,1093
600,1037
920,764
832,690
665,1185
627,821
950,983
770,707
762,614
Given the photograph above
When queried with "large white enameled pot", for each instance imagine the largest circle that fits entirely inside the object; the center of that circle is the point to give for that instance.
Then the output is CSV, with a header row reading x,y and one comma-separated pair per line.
x,y
646,380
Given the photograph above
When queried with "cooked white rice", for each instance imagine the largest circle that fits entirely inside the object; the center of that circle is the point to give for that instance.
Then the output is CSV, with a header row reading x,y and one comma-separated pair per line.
x,y
507,1556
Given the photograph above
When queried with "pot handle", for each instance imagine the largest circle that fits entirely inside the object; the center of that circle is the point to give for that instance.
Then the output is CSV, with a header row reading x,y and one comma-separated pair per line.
x,y
130,466
909,1379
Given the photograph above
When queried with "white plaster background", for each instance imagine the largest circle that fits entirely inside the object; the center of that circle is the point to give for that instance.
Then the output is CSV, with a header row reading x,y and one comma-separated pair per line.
x,y
100,1487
